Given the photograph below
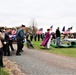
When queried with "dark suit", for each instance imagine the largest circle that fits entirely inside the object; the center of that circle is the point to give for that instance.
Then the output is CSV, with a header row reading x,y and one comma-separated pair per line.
x,y
31,37
10,41
6,46
1,57
35,36
38,37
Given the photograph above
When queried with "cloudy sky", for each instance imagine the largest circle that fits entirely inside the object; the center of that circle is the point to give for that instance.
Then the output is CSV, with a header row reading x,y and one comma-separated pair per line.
x,y
44,12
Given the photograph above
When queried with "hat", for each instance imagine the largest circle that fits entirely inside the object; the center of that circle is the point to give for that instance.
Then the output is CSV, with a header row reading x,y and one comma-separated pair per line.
x,y
22,25
48,29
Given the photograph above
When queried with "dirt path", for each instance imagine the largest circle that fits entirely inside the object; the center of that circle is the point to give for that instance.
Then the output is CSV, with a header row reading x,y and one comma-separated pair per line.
x,y
35,62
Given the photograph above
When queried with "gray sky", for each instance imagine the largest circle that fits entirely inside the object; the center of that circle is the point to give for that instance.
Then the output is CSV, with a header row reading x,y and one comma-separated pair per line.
x,y
45,12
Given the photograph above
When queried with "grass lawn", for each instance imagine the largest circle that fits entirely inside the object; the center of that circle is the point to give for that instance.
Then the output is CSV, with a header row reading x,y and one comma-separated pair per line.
x,y
3,72
71,52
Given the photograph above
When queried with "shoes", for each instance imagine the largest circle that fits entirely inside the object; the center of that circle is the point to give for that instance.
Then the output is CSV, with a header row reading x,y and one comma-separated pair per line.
x,y
9,55
21,50
2,66
48,48
5,55
13,50
18,54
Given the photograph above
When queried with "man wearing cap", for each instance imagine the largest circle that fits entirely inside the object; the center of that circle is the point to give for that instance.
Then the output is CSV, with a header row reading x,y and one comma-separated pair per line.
x,y
20,35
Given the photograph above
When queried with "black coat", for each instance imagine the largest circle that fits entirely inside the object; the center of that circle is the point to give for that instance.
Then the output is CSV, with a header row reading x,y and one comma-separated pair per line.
x,y
57,33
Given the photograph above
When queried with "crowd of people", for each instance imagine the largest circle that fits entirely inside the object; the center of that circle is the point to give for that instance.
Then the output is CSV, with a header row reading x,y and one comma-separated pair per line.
x,y
6,40
51,36
55,37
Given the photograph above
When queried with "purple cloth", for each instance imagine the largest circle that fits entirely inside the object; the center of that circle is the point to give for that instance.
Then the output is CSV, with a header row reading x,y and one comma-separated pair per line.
x,y
47,37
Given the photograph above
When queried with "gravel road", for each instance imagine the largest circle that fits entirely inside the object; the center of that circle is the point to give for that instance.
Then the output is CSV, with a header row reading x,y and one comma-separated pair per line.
x,y
35,62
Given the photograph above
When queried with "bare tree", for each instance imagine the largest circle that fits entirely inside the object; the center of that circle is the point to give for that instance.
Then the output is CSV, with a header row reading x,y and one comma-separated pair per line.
x,y
33,26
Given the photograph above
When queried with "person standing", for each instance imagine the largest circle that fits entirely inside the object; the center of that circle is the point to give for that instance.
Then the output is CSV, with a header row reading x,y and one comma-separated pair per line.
x,y
39,35
1,49
35,36
47,40
6,43
53,38
57,36
42,36
20,39
10,40
31,36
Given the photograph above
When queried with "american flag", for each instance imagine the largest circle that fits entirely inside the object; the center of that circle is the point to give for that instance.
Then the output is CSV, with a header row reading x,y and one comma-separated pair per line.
x,y
51,28
63,29
40,31
70,28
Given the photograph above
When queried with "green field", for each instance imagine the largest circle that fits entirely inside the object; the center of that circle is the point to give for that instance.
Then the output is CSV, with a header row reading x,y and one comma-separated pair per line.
x,y
3,72
71,52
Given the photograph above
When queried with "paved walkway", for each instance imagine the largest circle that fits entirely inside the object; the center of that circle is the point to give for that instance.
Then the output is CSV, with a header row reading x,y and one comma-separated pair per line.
x,y
35,62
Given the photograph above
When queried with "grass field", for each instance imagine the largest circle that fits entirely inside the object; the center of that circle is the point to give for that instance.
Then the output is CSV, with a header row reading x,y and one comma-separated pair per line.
x,y
71,52
3,72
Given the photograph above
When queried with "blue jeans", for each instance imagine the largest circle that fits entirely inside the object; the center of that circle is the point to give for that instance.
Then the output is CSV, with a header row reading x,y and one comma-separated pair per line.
x,y
58,41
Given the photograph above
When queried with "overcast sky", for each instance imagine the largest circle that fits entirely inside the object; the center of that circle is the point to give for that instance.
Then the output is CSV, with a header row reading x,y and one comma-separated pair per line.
x,y
45,12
